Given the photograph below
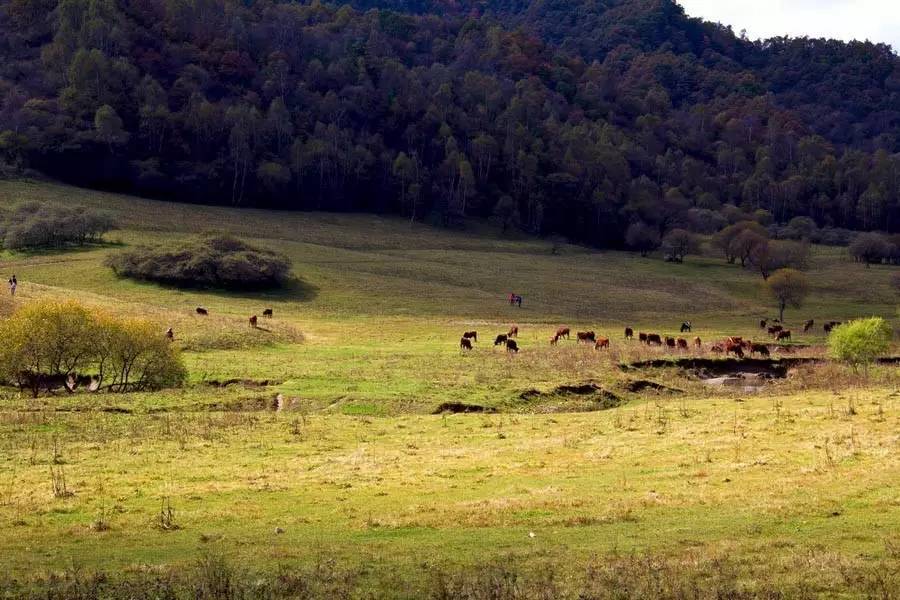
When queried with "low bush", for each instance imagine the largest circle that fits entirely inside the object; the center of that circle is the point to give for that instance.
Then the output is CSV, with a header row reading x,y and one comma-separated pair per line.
x,y
39,225
52,344
858,343
211,261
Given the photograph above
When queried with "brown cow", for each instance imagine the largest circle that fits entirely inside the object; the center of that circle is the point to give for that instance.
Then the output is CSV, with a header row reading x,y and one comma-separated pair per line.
x,y
587,336
642,338
562,332
670,342
501,339
554,340
775,329
202,311
734,349
760,349
512,346
629,333
465,343
602,343
513,332
698,343
783,335
253,321
471,335
808,325
653,339
682,344
268,313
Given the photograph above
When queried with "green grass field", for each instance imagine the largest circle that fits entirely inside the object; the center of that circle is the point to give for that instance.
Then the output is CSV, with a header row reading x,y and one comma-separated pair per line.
x,y
792,489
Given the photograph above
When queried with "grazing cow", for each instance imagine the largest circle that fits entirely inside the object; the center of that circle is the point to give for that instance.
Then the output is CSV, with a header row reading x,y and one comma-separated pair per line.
x,y
698,343
465,344
554,340
629,333
829,326
587,337
471,335
718,348
734,349
562,332
602,343
512,346
202,311
253,321
808,325
501,339
686,326
682,344
760,349
670,342
170,334
775,329
268,313
783,335
763,323
653,339
513,332
642,338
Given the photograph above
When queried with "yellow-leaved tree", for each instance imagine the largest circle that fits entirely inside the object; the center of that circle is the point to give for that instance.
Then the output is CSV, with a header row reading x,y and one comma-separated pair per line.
x,y
49,344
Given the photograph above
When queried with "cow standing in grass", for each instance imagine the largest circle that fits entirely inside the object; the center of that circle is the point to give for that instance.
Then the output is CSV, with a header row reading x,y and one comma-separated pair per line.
x,y
513,332
602,344
512,346
629,333
562,332
586,337
465,344
500,339
471,335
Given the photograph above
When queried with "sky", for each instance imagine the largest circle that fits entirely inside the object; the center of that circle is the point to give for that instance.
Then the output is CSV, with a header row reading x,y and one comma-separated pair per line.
x,y
874,20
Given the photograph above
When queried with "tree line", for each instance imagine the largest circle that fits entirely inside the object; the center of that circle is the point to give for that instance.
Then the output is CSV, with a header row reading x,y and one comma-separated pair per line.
x,y
571,118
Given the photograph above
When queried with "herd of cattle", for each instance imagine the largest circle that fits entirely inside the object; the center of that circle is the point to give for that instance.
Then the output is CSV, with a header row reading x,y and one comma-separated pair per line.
x,y
254,320
735,345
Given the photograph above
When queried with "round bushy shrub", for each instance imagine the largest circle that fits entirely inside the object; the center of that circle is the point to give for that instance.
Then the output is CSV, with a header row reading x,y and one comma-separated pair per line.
x,y
211,261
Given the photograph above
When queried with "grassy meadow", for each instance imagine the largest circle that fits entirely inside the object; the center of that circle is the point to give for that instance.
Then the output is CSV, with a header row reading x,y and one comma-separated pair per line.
x,y
355,489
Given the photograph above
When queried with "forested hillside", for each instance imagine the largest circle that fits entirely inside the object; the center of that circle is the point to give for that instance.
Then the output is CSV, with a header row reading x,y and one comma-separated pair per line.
x,y
577,118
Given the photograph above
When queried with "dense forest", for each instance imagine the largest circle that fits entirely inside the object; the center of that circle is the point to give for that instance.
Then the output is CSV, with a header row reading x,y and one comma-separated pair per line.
x,y
577,117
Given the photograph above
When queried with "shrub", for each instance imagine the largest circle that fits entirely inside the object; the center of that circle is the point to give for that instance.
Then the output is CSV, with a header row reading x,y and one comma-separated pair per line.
x,y
49,340
39,225
211,261
860,342
678,243
642,238
870,248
